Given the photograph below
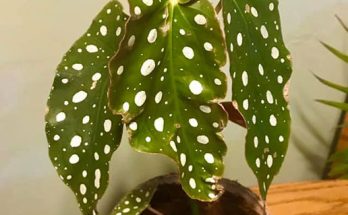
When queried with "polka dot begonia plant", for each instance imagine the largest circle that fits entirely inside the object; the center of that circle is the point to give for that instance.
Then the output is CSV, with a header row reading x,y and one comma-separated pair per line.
x,y
158,72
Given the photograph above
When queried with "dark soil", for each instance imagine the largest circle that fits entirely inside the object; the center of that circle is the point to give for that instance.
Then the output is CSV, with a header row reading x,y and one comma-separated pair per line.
x,y
170,199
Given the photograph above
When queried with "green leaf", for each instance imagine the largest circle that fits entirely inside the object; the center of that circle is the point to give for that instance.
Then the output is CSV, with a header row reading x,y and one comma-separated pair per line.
x,y
341,156
339,166
81,130
136,201
338,170
339,105
345,27
166,81
260,68
333,85
337,53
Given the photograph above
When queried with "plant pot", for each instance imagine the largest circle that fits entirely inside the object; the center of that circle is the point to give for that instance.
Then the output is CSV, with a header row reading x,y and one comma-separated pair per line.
x,y
170,199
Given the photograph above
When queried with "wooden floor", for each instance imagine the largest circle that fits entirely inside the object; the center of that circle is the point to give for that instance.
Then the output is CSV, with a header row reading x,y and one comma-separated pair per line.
x,y
311,198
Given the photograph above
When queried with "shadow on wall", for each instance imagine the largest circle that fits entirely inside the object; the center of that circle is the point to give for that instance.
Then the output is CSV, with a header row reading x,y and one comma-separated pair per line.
x,y
315,124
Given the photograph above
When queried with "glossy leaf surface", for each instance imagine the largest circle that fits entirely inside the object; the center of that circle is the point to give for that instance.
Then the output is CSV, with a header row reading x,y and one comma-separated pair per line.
x,y
166,79
260,68
136,201
81,130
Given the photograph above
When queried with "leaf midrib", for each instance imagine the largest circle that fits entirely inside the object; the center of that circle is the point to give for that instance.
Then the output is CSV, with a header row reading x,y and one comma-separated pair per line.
x,y
172,72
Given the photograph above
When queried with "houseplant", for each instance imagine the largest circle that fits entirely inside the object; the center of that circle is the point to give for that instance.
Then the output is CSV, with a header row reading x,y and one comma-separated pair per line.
x,y
337,166
157,71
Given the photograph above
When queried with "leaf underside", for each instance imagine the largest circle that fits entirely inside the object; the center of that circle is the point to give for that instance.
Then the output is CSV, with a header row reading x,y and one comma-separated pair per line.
x,y
260,68
81,130
165,81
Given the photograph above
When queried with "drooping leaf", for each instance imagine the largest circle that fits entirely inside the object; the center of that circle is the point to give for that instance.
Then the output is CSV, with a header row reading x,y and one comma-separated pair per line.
x,y
260,68
138,200
339,105
336,52
166,79
81,130
333,85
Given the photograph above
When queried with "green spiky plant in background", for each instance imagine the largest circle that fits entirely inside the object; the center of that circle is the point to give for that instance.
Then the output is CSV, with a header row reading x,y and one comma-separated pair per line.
x,y
338,160
157,71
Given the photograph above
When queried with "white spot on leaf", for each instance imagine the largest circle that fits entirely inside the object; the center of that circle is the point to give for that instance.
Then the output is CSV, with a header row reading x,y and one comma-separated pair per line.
x,y
158,97
85,119
152,36
79,96
137,10
77,66
239,39
202,139
196,87
273,120
208,46
148,2
173,145
133,126
96,76
147,67
269,97
209,158
140,98
60,117
75,141
74,159
83,189
159,124
200,19
192,183
125,106
254,12
245,78
107,149
182,159
107,125
205,109
275,52
92,48
264,32
103,30
193,122
120,70
97,176
269,161
258,162
188,52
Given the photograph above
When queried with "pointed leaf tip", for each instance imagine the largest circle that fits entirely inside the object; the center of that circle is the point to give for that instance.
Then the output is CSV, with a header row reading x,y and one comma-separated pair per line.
x,y
166,80
81,130
260,69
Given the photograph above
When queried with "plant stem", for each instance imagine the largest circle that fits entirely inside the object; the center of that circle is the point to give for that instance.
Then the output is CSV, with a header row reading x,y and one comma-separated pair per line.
x,y
154,211
218,7
194,207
